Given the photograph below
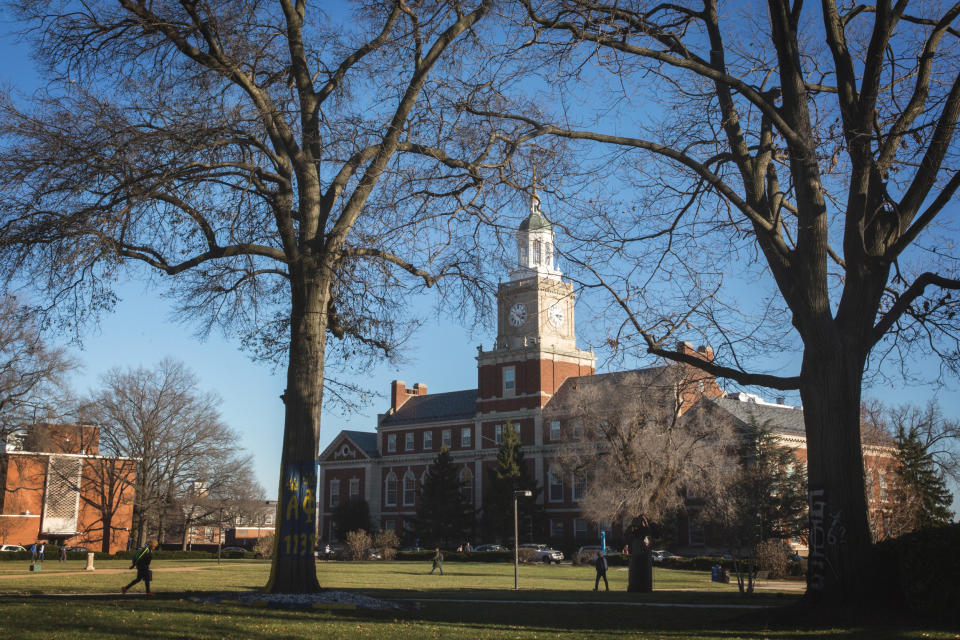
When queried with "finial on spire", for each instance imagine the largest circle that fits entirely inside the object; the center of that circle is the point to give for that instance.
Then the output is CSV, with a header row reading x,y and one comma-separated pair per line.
x,y
534,198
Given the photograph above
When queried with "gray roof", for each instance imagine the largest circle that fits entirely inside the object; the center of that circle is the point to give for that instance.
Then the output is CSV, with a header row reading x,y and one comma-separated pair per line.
x,y
366,440
781,418
535,222
615,379
453,405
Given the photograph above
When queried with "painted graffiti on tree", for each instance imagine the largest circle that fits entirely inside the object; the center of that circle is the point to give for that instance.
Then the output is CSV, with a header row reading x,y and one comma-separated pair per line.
x,y
823,539
298,511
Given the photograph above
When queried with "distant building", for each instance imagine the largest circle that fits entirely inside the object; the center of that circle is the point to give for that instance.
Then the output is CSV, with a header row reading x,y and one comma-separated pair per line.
x,y
54,486
258,523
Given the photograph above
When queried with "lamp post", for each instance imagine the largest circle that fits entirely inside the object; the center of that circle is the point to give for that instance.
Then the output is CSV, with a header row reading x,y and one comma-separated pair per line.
x,y
516,536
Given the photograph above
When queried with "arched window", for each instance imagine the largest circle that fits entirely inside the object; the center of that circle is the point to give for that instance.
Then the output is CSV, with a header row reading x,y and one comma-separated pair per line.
x,y
555,482
390,490
466,484
409,489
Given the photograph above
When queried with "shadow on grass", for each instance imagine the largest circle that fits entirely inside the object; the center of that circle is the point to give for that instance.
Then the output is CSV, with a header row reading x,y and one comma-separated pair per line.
x,y
172,615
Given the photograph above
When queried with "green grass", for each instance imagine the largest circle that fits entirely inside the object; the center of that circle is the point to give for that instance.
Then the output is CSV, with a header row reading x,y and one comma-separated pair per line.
x,y
573,610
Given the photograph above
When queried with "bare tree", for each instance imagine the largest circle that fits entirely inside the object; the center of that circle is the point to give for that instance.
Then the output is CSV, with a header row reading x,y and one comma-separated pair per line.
x,y
808,154
223,490
639,451
298,174
32,385
159,417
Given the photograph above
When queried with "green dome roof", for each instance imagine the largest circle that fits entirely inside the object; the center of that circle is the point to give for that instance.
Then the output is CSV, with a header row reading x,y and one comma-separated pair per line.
x,y
535,222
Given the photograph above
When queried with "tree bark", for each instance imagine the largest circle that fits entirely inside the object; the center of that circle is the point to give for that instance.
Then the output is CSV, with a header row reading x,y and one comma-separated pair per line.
x,y
296,508
839,569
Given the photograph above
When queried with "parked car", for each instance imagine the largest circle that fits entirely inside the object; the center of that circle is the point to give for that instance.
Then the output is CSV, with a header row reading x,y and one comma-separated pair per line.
x,y
543,553
411,549
587,553
11,548
233,550
77,550
659,555
490,547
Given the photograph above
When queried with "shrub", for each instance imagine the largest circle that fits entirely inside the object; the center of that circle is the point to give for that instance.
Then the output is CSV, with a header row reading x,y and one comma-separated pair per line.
x,y
264,547
358,544
386,542
772,556
527,555
922,569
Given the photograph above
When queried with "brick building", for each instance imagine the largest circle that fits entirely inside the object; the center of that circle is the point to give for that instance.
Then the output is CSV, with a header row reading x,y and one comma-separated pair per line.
x,y
531,367
54,486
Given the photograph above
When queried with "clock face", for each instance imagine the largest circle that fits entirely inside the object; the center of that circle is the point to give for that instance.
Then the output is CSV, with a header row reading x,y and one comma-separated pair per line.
x,y
555,314
518,314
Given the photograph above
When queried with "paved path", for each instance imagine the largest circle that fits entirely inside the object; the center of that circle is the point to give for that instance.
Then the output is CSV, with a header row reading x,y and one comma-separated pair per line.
x,y
83,572
677,605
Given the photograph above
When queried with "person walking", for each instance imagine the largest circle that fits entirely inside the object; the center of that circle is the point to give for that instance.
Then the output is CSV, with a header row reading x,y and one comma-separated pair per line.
x,y
437,561
141,560
601,565
43,546
63,553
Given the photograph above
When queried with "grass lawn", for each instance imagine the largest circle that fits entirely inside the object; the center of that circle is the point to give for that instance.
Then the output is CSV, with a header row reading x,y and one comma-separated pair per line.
x,y
553,602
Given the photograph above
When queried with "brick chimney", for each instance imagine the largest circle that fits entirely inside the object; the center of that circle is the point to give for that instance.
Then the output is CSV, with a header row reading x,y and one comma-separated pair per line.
x,y
399,393
702,352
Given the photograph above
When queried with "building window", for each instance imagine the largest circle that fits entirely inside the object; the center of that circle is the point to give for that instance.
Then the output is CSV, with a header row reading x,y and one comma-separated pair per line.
x,y
446,438
408,442
579,485
354,488
555,482
330,535
391,442
509,380
577,429
389,525
554,429
466,437
390,494
409,489
556,528
428,440
466,485
334,493
498,433
579,528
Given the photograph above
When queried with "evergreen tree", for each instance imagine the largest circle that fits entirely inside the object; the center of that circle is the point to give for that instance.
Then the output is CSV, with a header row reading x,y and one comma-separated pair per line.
x,y
444,515
511,474
350,515
921,492
769,498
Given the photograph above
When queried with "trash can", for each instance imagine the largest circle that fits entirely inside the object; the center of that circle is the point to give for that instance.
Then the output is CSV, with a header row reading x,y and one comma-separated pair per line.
x,y
715,573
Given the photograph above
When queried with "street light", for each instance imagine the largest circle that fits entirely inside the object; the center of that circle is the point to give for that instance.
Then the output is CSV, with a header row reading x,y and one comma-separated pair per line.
x,y
516,536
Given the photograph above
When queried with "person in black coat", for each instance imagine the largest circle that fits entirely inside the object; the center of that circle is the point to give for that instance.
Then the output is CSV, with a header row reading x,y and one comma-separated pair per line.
x,y
141,560
601,564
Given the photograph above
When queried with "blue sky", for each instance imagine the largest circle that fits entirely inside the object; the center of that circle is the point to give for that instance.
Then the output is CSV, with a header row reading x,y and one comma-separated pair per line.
x,y
143,330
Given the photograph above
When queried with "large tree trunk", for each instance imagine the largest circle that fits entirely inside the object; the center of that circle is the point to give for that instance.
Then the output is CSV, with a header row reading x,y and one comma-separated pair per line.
x,y
293,569
107,530
839,569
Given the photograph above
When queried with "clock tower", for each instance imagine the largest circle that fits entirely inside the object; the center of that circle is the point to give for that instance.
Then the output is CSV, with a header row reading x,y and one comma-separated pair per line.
x,y
536,346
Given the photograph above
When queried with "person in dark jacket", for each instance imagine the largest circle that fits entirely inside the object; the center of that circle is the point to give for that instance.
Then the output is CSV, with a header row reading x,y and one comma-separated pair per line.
x,y
141,560
601,564
437,561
